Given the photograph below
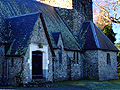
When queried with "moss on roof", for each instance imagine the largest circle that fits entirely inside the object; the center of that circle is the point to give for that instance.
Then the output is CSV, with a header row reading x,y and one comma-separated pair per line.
x,y
20,25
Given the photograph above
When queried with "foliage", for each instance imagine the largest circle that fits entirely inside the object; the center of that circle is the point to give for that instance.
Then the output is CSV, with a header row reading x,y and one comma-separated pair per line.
x,y
118,58
40,46
108,31
19,77
117,45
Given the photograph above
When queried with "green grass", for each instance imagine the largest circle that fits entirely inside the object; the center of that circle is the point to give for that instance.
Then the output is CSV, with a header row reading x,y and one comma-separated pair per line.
x,y
95,84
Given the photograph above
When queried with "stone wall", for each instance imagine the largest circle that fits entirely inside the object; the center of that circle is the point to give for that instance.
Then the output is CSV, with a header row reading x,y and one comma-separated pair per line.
x,y
96,66
68,69
60,70
37,38
2,63
81,10
91,64
75,67
107,71
15,66
40,37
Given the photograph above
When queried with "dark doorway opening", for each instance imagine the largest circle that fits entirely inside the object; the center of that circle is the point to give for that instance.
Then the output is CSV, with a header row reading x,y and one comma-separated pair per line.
x,y
37,72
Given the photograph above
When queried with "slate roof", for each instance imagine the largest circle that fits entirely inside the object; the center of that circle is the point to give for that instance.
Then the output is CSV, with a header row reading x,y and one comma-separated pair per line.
x,y
22,27
93,38
90,36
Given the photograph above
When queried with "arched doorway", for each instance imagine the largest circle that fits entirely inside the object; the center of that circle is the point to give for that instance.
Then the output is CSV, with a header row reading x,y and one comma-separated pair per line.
x,y
37,71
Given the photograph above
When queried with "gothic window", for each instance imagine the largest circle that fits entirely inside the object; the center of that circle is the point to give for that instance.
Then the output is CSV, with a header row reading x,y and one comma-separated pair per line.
x,y
77,57
108,58
74,56
83,9
60,55
12,62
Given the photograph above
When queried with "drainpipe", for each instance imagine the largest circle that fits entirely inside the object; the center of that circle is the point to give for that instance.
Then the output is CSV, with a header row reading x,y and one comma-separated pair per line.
x,y
7,68
2,82
7,72
82,65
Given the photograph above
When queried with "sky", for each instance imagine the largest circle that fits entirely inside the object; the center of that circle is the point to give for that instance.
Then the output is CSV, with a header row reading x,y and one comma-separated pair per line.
x,y
116,28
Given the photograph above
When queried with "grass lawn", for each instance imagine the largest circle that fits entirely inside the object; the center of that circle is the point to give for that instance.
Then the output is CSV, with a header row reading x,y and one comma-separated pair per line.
x,y
95,84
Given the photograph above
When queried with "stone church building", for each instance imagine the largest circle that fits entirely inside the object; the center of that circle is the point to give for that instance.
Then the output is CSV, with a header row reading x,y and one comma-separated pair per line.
x,y
39,41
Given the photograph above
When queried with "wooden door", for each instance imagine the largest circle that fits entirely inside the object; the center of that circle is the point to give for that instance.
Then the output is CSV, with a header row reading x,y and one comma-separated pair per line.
x,y
37,71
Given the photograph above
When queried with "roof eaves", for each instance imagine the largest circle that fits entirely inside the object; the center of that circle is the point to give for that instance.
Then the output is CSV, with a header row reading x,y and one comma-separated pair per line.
x,y
102,49
108,39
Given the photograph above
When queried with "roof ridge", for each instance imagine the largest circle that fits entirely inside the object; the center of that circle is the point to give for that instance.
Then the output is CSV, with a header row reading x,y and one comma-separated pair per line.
x,y
95,35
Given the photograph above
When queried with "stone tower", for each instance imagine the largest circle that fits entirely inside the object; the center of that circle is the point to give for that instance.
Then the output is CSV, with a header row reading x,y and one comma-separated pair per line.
x,y
74,12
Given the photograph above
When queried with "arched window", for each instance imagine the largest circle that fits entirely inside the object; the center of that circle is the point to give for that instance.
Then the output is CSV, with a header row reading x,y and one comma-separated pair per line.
x,y
12,62
39,25
83,9
108,58
75,57
60,55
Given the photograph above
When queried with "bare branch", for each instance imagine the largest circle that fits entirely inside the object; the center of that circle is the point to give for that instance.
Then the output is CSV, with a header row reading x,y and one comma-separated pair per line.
x,y
110,7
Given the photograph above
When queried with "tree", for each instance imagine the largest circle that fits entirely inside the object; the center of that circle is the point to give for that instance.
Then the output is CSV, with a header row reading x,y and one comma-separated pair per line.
x,y
101,22
108,31
111,8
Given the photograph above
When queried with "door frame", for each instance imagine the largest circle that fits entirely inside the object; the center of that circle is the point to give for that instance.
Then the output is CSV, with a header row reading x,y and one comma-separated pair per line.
x,y
45,61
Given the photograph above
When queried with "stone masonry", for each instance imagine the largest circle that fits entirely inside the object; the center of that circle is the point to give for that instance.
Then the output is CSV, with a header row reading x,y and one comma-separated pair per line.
x,y
2,62
95,65
107,71
81,10
91,64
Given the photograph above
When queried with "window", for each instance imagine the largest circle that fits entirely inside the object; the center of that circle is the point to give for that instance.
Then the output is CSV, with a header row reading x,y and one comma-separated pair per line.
x,y
83,9
75,57
108,58
12,62
60,55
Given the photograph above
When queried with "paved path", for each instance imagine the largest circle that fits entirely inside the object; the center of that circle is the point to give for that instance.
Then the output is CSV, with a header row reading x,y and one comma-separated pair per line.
x,y
60,87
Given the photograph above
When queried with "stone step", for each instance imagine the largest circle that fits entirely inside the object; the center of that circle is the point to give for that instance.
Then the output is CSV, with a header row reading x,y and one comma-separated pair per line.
x,y
39,82
43,85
